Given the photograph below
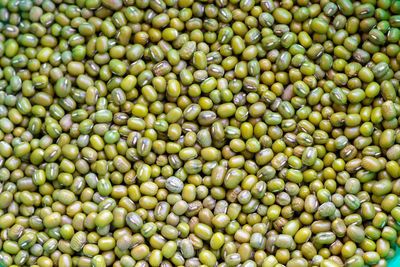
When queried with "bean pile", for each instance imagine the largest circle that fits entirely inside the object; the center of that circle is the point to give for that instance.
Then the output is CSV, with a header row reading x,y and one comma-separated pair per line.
x,y
199,133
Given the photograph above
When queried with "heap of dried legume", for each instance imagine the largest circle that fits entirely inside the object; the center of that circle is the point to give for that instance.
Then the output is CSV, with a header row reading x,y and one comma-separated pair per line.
x,y
199,133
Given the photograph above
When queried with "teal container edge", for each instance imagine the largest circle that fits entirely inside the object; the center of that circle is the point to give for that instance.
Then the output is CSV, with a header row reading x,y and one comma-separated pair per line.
x,y
395,262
